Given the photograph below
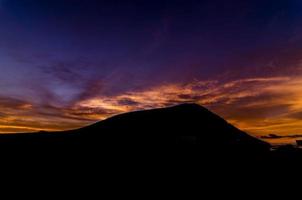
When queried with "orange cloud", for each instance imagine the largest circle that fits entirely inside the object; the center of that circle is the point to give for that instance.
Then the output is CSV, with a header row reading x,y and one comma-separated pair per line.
x,y
260,105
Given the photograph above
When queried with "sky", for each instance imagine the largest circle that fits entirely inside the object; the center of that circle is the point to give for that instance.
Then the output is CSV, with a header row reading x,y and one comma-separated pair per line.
x,y
65,64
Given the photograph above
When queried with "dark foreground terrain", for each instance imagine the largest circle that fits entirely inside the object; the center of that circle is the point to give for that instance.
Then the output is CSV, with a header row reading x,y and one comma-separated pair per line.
x,y
184,125
186,133
162,145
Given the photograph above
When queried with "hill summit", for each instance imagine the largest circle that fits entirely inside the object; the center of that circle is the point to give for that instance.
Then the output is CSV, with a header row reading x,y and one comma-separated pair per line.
x,y
180,125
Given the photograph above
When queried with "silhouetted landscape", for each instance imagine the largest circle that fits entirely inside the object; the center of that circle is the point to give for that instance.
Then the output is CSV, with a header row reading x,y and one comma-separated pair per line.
x,y
187,124
187,130
95,88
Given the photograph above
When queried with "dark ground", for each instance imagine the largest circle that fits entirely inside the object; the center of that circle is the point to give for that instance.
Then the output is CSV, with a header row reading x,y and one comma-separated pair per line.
x,y
186,139
177,152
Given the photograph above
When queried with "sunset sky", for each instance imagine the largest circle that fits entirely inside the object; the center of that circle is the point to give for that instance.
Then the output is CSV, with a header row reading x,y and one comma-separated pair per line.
x,y
69,63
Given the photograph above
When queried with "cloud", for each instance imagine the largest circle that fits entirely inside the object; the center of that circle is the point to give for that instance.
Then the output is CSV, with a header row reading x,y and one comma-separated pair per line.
x,y
258,105
8,102
22,116
207,93
127,102
273,136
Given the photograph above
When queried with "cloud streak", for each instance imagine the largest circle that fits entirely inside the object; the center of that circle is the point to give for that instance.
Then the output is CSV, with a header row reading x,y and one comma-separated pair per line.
x,y
253,104
258,105
68,63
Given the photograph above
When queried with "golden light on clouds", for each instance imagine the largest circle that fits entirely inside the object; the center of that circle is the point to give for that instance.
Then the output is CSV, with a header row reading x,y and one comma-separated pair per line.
x,y
260,106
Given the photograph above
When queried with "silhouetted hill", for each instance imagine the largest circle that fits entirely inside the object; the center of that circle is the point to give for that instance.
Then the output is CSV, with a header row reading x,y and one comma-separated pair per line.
x,y
160,145
188,136
183,124
187,124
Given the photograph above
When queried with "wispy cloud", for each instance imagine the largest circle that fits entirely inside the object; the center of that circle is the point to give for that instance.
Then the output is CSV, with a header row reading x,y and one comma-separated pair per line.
x,y
230,99
259,105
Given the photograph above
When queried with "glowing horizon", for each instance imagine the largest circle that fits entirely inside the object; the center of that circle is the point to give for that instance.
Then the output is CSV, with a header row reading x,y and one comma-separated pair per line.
x,y
241,107
69,63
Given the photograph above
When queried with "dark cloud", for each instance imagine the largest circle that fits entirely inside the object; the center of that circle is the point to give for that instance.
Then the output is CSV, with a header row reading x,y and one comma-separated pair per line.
x,y
89,90
274,136
191,97
295,115
130,54
127,102
64,72
8,102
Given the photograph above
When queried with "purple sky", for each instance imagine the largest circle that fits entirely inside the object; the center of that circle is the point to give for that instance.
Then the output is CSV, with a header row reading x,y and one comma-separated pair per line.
x,y
67,63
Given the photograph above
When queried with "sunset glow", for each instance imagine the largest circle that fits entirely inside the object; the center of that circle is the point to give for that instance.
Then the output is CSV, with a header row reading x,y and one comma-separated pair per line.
x,y
66,64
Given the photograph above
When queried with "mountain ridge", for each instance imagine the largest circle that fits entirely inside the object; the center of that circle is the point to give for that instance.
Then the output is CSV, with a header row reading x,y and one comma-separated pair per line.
x,y
180,120
185,124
